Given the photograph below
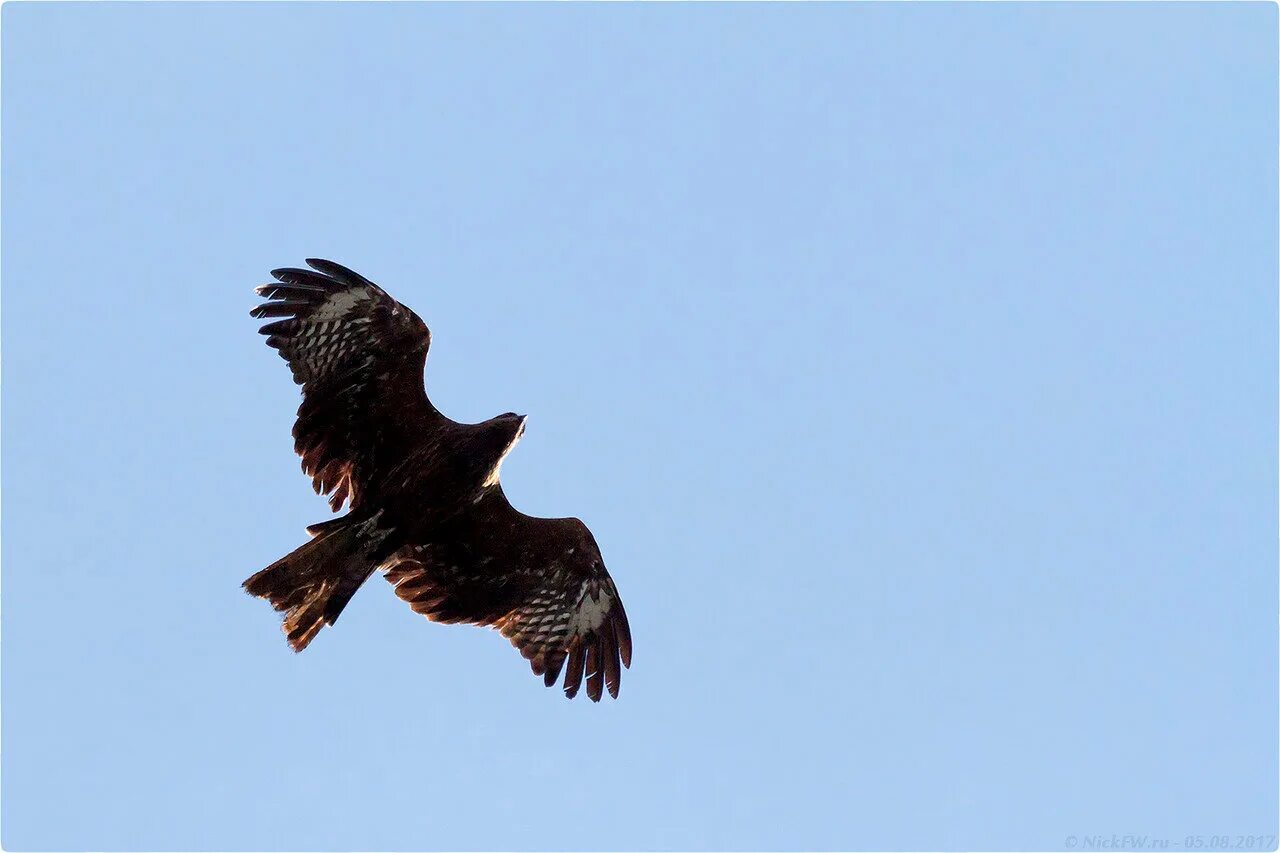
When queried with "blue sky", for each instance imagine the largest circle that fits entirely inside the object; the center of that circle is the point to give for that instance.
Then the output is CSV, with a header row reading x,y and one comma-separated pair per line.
x,y
914,365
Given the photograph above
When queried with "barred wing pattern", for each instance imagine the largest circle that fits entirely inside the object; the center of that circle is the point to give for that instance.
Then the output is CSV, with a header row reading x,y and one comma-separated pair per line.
x,y
358,355
540,581
578,618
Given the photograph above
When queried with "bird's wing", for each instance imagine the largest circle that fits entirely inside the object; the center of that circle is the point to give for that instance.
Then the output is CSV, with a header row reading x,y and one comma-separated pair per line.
x,y
358,355
540,581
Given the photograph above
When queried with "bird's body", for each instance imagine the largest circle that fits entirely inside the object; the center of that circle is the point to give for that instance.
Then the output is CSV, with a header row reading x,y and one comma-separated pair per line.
x,y
426,503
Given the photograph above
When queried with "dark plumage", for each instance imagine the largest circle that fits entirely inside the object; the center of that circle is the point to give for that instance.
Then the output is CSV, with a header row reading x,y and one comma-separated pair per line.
x,y
423,495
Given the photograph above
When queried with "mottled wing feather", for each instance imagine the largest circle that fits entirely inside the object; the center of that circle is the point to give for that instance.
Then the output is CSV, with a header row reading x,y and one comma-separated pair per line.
x,y
358,355
576,611
540,581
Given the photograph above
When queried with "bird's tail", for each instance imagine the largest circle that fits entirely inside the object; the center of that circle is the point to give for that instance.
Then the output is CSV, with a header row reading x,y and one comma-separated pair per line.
x,y
313,583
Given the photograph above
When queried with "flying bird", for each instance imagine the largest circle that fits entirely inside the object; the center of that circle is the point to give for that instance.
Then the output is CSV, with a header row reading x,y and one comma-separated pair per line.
x,y
424,500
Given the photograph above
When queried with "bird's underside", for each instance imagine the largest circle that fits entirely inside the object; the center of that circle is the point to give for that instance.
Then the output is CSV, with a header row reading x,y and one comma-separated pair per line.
x,y
424,500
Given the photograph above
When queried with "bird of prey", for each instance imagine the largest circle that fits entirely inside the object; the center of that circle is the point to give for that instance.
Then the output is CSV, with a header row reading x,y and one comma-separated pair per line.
x,y
424,500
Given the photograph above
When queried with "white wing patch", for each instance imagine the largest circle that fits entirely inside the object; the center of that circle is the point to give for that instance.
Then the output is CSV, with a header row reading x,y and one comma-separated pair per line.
x,y
594,602
338,305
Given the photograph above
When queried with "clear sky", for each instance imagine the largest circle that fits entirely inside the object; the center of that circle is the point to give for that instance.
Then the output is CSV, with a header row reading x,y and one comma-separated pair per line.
x,y
914,365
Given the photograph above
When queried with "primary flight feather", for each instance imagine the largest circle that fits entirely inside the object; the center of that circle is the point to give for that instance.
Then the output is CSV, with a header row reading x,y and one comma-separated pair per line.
x,y
423,495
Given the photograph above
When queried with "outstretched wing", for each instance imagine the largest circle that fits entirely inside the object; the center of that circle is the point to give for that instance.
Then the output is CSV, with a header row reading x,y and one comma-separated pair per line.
x,y
359,356
540,581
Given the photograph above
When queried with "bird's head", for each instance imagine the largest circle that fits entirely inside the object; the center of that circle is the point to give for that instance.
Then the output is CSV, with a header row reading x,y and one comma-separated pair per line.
x,y
509,427
514,422
501,434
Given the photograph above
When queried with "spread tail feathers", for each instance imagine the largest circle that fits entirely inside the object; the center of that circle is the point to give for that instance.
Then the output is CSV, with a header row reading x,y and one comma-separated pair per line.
x,y
313,583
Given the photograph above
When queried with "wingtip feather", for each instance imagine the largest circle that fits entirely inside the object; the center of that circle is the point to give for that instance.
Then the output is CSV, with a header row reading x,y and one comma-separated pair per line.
x,y
622,631
573,676
336,271
595,671
612,672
